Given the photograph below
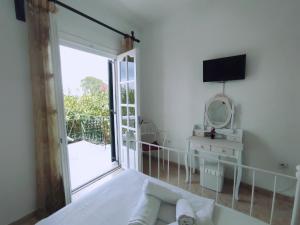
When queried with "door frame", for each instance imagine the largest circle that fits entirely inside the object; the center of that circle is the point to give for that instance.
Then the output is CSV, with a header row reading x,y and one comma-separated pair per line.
x,y
58,38
112,111
64,163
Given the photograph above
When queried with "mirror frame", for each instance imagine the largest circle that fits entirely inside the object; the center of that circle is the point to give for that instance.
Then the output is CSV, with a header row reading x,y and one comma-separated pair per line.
x,y
229,106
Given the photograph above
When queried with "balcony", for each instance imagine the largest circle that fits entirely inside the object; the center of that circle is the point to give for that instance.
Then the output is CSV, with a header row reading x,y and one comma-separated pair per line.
x,y
89,149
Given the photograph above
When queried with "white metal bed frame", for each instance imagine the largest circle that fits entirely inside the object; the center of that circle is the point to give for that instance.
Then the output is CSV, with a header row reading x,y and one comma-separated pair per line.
x,y
295,220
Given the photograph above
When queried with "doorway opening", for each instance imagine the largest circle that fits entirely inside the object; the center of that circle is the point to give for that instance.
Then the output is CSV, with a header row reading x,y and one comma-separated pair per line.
x,y
87,81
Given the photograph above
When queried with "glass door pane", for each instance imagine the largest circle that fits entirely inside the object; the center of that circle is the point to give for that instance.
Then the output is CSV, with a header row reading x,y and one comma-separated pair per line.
x,y
131,68
131,92
123,68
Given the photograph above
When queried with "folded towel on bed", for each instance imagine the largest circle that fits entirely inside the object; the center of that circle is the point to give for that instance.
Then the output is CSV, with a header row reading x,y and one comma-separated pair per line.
x,y
204,215
160,192
167,213
146,211
184,213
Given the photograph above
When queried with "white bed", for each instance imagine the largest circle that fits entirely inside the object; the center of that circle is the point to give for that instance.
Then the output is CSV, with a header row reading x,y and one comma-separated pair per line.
x,y
113,202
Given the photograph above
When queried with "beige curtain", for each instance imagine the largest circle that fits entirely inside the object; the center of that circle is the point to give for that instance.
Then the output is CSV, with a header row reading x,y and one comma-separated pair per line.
x,y
50,190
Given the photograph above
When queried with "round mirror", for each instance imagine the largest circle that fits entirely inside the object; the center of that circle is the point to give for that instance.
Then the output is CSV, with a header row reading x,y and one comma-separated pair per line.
x,y
218,112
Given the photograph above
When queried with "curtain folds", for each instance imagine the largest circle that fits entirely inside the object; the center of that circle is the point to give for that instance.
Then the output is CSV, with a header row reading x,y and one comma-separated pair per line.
x,y
50,189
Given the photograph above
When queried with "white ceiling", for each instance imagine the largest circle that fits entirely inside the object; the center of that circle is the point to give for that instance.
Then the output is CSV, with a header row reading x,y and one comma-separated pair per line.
x,y
136,12
141,12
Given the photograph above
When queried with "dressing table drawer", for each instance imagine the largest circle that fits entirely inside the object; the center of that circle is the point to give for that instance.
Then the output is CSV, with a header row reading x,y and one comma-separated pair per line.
x,y
223,150
201,147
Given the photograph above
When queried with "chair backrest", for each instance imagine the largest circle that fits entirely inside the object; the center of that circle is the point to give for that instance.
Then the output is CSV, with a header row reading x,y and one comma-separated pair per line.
x,y
149,132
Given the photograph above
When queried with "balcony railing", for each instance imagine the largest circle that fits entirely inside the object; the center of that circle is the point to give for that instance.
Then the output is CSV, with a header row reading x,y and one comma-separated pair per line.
x,y
94,130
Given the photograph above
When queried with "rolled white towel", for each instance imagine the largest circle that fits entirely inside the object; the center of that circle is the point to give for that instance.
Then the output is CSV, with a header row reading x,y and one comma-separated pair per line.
x,y
184,213
146,211
161,192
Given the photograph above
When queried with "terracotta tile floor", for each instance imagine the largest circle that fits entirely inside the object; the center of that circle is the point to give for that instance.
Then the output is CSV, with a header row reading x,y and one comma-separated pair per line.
x,y
262,200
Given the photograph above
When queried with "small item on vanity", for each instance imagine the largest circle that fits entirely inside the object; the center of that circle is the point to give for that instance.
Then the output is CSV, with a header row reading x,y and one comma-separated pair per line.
x,y
213,133
199,130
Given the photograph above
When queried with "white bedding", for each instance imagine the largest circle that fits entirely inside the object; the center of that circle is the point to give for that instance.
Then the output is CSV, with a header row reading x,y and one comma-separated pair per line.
x,y
112,203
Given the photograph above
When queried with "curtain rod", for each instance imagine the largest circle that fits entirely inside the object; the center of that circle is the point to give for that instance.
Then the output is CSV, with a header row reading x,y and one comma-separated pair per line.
x,y
94,20
20,15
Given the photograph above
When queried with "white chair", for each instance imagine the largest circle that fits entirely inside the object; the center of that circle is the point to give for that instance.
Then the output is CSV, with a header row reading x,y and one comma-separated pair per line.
x,y
152,135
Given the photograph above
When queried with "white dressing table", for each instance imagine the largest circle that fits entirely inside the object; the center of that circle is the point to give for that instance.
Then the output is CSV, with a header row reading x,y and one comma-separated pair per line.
x,y
227,145
220,148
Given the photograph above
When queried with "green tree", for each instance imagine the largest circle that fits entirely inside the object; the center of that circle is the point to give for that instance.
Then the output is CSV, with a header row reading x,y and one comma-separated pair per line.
x,y
91,85
91,106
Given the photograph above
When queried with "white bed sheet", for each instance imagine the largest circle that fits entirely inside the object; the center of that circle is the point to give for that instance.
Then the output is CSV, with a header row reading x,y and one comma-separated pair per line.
x,y
113,202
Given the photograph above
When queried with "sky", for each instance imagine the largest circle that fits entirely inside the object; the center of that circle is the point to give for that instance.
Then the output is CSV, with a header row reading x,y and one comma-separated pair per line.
x,y
77,64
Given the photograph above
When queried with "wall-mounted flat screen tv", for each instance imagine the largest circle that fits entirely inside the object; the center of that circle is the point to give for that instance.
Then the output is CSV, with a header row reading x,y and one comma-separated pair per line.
x,y
224,69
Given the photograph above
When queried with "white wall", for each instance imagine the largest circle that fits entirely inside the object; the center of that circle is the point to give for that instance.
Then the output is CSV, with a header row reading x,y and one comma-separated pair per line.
x,y
17,163
17,160
173,94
